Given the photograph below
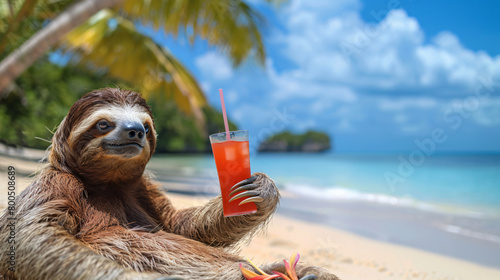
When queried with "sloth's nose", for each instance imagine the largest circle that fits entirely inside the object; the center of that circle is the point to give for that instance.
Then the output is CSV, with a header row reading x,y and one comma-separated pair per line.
x,y
133,130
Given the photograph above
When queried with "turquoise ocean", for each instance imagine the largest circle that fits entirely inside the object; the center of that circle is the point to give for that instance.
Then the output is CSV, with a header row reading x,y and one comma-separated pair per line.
x,y
448,204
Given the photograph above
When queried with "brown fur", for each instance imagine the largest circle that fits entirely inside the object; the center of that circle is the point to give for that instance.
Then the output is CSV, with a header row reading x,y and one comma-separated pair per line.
x,y
91,215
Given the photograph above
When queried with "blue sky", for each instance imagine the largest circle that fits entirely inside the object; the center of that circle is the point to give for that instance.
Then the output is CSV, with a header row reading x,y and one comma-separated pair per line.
x,y
376,75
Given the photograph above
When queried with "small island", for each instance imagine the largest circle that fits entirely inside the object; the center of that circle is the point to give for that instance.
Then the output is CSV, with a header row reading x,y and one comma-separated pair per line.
x,y
308,142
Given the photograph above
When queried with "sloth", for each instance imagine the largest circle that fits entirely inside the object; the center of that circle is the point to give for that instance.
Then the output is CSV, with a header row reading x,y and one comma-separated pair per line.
x,y
93,213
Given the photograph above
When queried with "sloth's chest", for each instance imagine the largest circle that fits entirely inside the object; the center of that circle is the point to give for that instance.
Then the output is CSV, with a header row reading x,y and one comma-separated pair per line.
x,y
99,218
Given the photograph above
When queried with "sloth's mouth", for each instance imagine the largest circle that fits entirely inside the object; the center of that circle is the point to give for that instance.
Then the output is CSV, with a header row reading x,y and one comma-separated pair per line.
x,y
126,149
123,145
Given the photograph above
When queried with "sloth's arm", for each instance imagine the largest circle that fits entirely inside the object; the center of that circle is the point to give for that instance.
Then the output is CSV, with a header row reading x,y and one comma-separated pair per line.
x,y
208,224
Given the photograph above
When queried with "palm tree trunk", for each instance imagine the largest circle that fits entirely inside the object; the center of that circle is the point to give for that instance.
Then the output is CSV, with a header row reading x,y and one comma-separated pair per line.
x,y
23,57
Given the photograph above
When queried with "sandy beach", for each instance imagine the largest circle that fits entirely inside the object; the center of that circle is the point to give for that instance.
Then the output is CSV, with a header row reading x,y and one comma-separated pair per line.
x,y
349,256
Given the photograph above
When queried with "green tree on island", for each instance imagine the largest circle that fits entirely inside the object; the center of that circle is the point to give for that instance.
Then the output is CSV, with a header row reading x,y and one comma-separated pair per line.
x,y
286,141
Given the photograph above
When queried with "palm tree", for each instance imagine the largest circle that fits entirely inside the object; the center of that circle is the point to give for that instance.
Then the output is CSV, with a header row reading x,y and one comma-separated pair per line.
x,y
102,34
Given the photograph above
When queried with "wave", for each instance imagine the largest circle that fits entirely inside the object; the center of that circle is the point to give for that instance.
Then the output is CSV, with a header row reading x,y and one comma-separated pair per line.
x,y
338,193
470,233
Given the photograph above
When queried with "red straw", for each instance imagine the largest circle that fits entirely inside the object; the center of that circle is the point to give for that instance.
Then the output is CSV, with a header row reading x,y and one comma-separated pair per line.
x,y
224,114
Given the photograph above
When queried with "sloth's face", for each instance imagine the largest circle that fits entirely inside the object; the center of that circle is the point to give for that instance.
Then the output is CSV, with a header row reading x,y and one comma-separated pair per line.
x,y
107,137
115,134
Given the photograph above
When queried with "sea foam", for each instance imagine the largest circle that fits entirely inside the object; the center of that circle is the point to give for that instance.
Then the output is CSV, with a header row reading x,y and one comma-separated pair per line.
x,y
339,193
470,233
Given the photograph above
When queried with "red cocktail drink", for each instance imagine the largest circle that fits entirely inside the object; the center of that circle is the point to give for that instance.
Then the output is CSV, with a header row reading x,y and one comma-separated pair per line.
x,y
232,158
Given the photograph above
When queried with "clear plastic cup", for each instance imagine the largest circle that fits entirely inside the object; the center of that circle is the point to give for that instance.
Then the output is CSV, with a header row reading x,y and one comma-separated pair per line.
x,y
232,158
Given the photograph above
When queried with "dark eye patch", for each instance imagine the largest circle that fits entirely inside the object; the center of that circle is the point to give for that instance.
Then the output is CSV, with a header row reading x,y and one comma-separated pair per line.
x,y
104,125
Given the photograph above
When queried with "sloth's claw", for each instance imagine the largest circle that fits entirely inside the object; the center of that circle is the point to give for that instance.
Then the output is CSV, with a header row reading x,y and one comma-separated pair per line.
x,y
309,277
252,199
244,182
244,194
243,188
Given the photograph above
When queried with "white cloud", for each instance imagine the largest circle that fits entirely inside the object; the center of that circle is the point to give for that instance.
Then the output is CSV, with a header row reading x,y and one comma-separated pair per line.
x,y
320,8
215,66
340,60
400,104
330,43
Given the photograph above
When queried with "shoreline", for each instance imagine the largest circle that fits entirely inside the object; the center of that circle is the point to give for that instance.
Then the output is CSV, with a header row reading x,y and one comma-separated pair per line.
x,y
347,254
438,233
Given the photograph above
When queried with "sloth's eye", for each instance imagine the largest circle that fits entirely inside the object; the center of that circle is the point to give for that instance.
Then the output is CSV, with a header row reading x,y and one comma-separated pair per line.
x,y
146,128
103,125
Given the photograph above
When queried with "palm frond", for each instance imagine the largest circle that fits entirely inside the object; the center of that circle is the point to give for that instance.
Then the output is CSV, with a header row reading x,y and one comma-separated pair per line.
x,y
231,25
19,19
110,42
